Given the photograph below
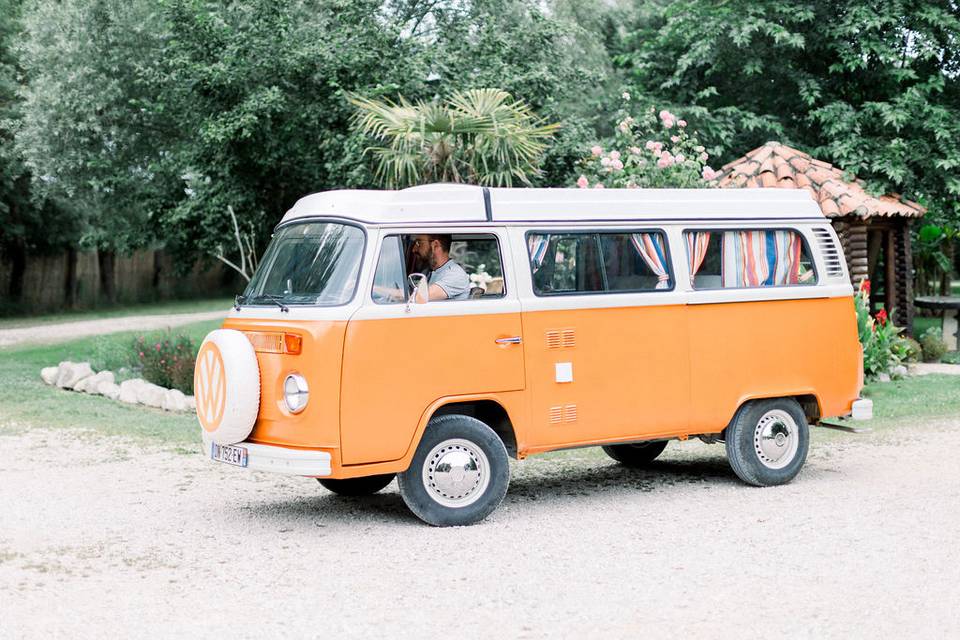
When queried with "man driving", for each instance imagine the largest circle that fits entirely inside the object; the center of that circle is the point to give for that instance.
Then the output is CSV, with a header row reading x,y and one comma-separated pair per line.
x,y
447,279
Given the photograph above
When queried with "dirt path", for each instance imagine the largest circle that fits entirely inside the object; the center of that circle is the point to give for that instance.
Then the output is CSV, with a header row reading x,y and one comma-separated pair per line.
x,y
48,333
102,538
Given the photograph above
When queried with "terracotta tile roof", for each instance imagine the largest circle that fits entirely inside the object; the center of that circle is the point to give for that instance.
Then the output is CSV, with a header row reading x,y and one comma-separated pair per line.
x,y
777,165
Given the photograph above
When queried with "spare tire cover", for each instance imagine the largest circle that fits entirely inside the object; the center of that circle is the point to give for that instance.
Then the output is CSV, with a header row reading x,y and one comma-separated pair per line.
x,y
226,382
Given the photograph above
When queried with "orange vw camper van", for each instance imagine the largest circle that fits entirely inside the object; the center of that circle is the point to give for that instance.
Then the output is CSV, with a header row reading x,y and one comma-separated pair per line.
x,y
429,334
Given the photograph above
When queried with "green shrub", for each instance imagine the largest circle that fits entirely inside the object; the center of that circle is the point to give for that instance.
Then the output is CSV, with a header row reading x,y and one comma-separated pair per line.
x,y
933,345
951,357
910,349
167,361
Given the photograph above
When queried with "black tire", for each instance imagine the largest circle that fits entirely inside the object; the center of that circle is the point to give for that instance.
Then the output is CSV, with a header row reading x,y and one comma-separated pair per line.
x,y
636,455
365,486
479,489
752,448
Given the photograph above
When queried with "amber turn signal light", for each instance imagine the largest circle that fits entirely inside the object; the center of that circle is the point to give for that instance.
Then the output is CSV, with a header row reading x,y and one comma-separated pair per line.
x,y
292,343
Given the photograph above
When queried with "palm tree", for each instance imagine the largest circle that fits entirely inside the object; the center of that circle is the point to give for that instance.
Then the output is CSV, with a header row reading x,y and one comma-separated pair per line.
x,y
481,136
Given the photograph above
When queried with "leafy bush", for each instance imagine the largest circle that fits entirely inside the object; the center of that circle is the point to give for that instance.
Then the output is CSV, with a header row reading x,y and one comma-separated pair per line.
x,y
649,150
168,361
912,351
882,348
951,357
933,345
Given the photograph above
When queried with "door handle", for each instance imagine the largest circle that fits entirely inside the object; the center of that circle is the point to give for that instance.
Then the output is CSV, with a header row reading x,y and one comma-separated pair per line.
x,y
513,340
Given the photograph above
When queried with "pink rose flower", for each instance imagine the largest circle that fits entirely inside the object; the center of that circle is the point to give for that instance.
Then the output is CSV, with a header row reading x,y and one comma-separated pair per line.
x,y
599,185
582,182
674,139
681,123
679,158
709,174
650,145
704,156
605,162
597,150
617,165
665,160
636,150
614,155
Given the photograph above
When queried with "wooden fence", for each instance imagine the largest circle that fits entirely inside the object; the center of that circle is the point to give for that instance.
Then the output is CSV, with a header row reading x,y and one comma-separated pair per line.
x,y
73,279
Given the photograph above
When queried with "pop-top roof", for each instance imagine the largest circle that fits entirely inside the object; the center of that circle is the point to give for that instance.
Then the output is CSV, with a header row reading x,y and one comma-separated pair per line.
x,y
455,203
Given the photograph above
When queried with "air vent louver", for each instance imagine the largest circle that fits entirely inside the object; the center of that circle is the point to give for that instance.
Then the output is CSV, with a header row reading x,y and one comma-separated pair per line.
x,y
832,257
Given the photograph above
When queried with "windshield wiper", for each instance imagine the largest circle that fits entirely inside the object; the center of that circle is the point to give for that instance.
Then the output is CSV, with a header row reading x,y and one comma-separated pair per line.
x,y
274,299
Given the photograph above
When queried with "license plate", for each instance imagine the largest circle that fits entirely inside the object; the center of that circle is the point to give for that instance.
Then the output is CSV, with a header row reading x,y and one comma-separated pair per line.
x,y
236,456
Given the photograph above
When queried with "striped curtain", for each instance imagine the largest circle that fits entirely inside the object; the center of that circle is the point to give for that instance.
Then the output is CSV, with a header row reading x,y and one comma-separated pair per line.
x,y
761,258
537,245
650,248
697,243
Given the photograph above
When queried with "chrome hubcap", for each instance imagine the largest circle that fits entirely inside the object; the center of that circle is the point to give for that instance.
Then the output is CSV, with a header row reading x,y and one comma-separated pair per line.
x,y
456,473
775,439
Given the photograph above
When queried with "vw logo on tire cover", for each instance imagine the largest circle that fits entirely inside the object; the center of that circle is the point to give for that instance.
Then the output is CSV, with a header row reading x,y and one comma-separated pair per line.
x,y
226,382
210,387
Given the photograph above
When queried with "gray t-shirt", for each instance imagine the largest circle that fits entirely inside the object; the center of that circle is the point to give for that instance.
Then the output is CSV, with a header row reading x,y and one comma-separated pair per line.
x,y
453,280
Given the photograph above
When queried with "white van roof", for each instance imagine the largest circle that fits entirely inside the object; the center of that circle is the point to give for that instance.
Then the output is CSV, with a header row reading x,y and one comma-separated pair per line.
x,y
457,203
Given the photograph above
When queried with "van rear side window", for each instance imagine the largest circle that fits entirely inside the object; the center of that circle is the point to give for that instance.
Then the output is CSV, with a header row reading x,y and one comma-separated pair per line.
x,y
740,258
621,262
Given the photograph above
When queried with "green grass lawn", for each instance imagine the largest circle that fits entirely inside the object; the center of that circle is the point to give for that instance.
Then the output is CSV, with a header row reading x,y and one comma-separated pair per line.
x,y
157,308
25,401
895,403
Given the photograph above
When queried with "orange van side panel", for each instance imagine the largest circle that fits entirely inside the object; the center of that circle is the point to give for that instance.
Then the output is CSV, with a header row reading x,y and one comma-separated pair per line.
x,y
395,369
319,361
630,374
750,350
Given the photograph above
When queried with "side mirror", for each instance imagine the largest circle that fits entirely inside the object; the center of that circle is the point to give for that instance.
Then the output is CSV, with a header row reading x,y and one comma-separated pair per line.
x,y
421,288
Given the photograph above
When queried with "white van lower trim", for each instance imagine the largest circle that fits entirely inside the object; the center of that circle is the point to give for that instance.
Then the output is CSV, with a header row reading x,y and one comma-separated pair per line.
x,y
295,462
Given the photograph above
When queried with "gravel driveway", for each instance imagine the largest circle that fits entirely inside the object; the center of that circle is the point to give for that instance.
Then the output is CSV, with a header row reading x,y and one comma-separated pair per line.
x,y
102,538
46,333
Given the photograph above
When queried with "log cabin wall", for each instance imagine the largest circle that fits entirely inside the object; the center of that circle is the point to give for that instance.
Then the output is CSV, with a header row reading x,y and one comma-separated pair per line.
x,y
891,238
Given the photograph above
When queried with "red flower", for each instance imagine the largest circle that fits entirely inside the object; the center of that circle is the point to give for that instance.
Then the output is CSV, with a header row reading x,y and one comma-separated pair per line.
x,y
882,317
865,286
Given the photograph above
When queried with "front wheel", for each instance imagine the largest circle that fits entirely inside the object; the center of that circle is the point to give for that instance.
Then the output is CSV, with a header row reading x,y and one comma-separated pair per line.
x,y
767,441
459,473
365,486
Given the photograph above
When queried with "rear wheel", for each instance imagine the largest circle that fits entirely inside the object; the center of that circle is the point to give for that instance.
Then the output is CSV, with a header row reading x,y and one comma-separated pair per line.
x,y
767,442
365,486
459,473
639,454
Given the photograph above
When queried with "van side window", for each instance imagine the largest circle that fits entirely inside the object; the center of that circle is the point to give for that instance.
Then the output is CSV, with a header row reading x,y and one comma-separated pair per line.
x,y
748,258
478,255
563,263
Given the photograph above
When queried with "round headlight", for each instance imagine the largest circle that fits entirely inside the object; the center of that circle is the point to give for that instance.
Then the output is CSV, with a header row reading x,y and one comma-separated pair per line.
x,y
295,392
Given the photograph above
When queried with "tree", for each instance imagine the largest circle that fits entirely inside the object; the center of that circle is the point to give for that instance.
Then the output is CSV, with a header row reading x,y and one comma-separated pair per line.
x,y
872,86
91,132
539,52
28,223
261,90
479,136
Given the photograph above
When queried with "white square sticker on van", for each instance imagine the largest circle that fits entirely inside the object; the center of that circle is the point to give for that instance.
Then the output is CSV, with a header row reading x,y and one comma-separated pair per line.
x,y
564,371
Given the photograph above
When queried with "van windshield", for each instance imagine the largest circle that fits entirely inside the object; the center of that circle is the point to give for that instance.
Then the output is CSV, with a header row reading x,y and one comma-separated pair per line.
x,y
313,263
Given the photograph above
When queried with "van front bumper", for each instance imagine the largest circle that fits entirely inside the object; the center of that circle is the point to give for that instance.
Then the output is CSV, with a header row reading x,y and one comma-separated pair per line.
x,y
295,462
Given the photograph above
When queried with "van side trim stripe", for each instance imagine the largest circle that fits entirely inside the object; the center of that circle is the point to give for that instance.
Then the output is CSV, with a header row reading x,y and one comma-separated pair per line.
x,y
487,207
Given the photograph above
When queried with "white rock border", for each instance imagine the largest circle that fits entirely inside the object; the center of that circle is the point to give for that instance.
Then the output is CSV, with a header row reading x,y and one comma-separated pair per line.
x,y
79,376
